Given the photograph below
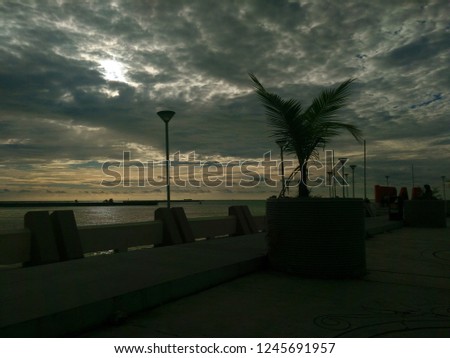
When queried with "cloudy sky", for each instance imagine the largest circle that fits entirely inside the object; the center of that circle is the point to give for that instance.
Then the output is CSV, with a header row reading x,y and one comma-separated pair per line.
x,y
81,82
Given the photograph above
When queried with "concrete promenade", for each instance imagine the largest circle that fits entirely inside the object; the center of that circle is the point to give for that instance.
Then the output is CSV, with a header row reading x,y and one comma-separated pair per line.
x,y
405,294
221,288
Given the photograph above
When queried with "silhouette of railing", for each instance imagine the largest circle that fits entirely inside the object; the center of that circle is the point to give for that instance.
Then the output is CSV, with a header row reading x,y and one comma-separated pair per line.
x,y
41,242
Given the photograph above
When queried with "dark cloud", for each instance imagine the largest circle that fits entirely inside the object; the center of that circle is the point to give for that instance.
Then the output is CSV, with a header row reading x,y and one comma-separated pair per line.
x,y
418,51
80,82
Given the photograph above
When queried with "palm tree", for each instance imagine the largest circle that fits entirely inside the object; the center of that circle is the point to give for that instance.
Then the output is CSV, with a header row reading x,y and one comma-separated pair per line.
x,y
304,131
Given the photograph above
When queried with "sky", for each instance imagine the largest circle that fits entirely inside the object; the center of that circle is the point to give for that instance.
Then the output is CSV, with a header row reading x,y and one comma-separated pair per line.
x,y
81,82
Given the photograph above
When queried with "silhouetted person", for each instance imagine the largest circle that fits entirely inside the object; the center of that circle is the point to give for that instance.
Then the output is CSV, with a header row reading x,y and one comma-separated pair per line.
x,y
403,194
428,194
417,193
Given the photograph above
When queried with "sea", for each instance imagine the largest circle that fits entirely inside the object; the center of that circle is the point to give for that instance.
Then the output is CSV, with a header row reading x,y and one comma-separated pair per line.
x,y
12,218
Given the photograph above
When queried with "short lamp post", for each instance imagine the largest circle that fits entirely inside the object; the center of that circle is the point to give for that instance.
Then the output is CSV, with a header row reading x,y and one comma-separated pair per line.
x,y
346,181
353,166
282,144
443,187
330,183
343,161
387,180
166,116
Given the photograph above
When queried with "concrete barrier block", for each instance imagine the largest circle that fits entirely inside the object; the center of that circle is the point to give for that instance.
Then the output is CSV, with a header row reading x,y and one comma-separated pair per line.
x,y
43,243
245,223
171,234
183,225
66,235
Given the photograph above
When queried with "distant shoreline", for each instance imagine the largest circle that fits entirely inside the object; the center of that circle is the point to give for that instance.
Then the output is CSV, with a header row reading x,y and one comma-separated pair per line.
x,y
22,204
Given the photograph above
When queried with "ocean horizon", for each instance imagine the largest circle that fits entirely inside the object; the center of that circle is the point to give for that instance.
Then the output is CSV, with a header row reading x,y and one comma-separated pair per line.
x,y
11,218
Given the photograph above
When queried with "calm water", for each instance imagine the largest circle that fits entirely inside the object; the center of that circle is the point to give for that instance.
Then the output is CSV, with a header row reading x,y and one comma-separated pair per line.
x,y
12,218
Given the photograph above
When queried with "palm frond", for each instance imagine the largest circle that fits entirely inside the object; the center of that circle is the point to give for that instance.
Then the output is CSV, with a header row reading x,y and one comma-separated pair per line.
x,y
329,101
306,130
283,115
333,128
323,111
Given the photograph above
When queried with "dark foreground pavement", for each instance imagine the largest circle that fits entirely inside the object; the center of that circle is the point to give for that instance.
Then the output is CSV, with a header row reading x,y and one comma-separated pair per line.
x,y
406,293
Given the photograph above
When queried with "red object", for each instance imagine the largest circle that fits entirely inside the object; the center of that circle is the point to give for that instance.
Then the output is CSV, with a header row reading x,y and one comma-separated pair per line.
x,y
385,194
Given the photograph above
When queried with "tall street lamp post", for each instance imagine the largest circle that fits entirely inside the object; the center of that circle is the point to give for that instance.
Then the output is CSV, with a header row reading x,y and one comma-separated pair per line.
x,y
353,166
365,170
166,116
443,194
443,187
343,161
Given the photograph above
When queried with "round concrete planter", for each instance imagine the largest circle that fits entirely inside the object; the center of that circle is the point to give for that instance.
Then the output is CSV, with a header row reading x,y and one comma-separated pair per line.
x,y
317,237
425,213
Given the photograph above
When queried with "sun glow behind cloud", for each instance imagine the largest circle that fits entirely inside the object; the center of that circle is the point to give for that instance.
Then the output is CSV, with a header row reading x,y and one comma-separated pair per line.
x,y
113,70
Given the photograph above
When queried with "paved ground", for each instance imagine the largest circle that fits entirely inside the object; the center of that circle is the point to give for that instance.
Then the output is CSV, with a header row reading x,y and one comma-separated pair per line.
x,y
405,294
63,298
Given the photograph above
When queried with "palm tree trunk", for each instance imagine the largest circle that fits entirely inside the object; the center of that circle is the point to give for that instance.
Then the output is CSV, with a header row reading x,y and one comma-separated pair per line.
x,y
303,191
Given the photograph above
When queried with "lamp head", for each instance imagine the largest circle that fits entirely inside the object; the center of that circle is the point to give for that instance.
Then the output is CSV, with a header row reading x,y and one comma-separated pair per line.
x,y
166,116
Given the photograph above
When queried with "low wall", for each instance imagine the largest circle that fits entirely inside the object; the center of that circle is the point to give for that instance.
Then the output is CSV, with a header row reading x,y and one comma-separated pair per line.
x,y
15,247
